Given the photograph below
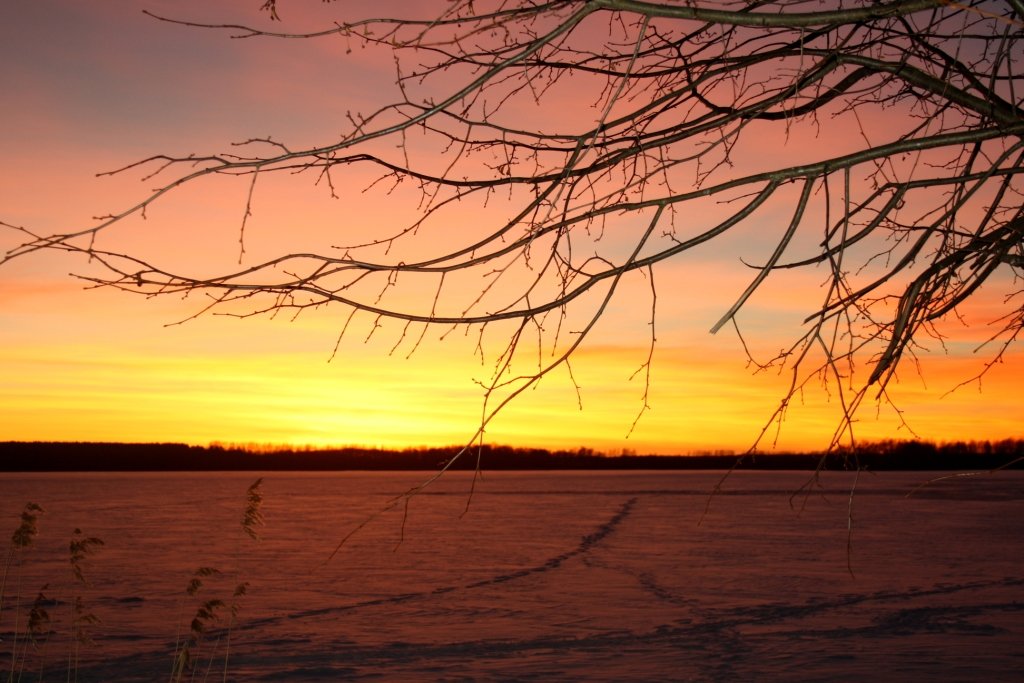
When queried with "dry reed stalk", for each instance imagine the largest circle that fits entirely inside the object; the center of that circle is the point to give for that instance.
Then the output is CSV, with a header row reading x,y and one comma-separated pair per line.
x,y
206,613
39,629
252,520
21,540
37,636
80,549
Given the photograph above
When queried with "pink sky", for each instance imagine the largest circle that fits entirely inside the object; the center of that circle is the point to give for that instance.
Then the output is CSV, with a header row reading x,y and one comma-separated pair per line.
x,y
93,87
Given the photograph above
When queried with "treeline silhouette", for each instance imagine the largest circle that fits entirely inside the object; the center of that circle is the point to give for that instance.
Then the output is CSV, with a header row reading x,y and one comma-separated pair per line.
x,y
161,457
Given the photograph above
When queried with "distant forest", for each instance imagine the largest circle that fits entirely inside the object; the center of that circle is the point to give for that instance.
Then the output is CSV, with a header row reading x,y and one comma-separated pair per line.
x,y
112,457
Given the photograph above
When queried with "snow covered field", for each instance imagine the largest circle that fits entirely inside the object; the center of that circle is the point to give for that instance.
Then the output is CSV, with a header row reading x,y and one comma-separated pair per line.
x,y
600,576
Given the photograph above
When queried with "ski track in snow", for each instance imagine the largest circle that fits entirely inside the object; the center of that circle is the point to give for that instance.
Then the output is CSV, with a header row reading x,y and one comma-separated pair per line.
x,y
586,544
716,634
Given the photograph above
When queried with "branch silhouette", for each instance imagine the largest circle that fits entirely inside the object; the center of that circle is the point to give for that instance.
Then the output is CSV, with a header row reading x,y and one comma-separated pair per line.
x,y
903,228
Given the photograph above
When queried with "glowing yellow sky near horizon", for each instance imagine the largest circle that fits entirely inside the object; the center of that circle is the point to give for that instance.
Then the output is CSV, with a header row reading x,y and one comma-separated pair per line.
x,y
102,366
256,381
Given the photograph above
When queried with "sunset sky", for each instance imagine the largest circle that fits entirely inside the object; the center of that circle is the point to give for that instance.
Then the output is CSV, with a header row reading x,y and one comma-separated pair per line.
x,y
92,87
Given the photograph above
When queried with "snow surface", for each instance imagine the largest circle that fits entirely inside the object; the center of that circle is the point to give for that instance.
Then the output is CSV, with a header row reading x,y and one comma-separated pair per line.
x,y
598,576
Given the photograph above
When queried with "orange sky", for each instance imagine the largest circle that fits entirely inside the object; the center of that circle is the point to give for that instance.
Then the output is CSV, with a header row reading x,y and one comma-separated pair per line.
x,y
91,87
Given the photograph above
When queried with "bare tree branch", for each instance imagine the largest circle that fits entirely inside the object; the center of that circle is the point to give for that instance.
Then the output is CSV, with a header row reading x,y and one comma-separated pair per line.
x,y
916,105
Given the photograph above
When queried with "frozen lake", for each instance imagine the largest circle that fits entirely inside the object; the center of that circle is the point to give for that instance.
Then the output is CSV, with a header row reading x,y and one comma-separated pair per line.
x,y
604,576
